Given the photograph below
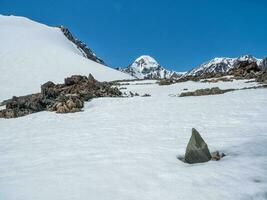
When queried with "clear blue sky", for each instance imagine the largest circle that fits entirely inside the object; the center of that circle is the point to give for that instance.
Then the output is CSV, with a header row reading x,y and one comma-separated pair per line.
x,y
179,34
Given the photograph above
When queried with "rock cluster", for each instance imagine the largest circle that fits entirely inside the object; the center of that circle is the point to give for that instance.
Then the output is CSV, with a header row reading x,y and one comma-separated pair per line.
x,y
206,91
241,69
262,78
61,98
246,69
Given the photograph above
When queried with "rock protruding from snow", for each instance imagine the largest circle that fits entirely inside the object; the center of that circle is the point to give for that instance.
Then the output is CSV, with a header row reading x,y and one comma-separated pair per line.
x,y
221,65
146,67
197,150
85,50
61,98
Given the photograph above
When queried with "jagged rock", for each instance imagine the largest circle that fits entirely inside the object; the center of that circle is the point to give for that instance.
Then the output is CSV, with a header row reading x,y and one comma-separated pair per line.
x,y
75,79
131,94
85,50
197,150
62,98
91,79
217,156
262,77
245,69
24,105
48,90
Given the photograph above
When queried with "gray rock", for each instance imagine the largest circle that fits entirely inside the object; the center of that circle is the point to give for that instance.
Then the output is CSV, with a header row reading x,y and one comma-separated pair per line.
x,y
197,150
263,64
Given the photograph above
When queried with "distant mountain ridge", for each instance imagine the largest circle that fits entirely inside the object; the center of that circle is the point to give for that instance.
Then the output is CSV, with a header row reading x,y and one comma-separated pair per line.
x,y
146,67
224,65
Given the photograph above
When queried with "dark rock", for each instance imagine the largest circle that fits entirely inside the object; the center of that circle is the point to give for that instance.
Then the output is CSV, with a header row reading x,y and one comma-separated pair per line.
x,y
263,64
217,156
197,150
207,91
262,77
48,90
166,82
222,155
62,98
146,95
86,51
67,104
245,69
75,79
91,79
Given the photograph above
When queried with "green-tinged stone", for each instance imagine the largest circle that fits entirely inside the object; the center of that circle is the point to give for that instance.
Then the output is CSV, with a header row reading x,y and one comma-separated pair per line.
x,y
197,150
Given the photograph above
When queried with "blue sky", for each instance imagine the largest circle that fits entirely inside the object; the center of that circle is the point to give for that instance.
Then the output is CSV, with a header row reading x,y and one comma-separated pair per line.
x,y
179,34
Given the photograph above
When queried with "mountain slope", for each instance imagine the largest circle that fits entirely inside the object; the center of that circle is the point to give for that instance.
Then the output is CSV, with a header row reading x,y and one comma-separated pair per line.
x,y
86,51
147,67
221,65
32,53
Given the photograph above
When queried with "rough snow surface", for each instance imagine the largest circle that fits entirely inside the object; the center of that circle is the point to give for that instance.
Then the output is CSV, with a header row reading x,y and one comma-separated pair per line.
x,y
126,148
151,86
32,54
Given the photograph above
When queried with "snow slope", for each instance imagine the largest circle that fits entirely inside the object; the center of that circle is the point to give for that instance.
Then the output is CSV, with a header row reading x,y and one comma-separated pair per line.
x,y
32,54
126,148
147,67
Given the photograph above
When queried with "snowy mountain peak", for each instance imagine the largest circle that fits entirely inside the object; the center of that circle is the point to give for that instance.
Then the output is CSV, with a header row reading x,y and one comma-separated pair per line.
x,y
145,61
146,67
220,65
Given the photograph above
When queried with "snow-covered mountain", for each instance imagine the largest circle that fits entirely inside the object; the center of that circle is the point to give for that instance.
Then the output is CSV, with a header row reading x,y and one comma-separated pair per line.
x,y
146,67
221,65
32,53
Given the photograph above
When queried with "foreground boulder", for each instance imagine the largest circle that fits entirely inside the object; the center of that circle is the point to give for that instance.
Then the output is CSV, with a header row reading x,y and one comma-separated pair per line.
x,y
197,150
61,98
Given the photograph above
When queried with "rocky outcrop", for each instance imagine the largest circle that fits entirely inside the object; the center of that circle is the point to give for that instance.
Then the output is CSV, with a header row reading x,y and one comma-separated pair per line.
x,y
86,51
206,91
262,78
245,69
263,64
197,150
220,65
61,98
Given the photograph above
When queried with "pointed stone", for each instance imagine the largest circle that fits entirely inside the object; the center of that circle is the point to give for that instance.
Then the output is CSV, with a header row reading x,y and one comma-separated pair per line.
x,y
91,78
197,150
